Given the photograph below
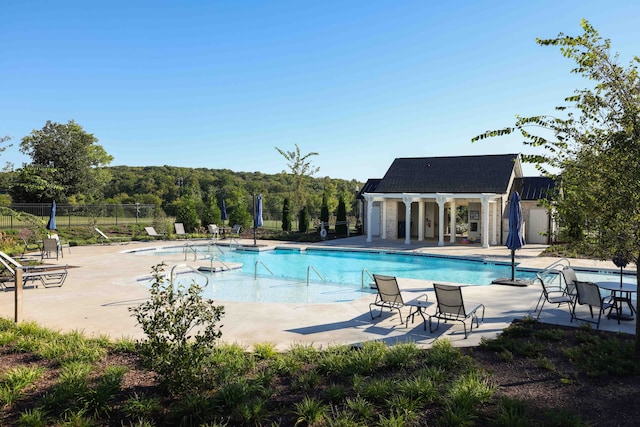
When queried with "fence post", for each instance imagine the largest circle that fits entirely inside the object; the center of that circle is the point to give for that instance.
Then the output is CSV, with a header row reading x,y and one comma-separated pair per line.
x,y
18,295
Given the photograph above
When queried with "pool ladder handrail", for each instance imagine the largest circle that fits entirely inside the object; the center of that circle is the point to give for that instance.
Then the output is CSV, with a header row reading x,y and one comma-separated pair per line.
x,y
311,267
255,269
364,270
187,248
215,245
552,269
211,259
191,268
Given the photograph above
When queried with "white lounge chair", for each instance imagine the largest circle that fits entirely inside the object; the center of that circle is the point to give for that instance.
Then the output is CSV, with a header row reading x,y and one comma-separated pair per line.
x,y
102,235
152,232
180,230
47,275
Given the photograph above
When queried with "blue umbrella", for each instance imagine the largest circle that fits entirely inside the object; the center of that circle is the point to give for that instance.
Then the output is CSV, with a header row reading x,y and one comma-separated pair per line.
x,y
224,211
258,219
515,239
51,225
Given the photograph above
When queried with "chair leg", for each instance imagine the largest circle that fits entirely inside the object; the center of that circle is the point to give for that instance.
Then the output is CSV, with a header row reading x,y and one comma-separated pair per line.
x,y
543,300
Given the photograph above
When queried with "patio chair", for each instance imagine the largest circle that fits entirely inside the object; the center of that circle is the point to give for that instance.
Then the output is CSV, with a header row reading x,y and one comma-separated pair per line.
x,y
50,246
389,296
214,230
451,306
61,244
152,232
570,280
589,294
46,275
235,232
180,229
553,294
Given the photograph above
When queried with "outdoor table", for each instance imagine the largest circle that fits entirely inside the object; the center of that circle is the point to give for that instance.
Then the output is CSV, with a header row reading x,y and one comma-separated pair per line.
x,y
418,305
224,231
620,294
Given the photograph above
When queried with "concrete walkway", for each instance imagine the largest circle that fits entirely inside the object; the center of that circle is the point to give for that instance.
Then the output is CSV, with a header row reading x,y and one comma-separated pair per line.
x,y
102,286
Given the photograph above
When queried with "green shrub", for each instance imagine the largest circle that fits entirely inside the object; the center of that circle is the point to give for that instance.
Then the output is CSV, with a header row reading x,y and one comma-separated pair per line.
x,y
181,329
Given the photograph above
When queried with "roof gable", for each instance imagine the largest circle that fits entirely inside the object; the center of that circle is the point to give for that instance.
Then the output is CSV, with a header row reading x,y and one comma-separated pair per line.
x,y
534,187
461,174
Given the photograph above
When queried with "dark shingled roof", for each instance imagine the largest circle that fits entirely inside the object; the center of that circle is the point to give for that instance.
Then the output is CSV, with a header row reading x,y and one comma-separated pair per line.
x,y
461,174
534,187
369,187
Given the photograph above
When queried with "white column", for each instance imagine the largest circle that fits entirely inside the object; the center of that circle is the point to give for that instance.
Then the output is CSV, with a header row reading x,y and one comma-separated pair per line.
x,y
369,202
420,220
485,221
407,219
494,236
452,227
383,211
441,200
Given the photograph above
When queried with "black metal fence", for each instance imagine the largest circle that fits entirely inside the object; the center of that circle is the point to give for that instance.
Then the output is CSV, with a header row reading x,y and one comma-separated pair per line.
x,y
122,214
83,215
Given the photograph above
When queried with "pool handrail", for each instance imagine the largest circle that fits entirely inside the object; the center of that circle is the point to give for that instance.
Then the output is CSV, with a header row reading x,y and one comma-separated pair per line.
x,y
554,268
255,269
191,268
187,247
364,270
311,267
211,259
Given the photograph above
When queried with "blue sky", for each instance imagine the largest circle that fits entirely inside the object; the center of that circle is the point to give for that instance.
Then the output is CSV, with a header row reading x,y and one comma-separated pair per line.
x,y
220,84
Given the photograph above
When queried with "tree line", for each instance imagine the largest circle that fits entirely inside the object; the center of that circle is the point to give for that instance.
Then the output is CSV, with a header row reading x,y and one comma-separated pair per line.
x,y
69,166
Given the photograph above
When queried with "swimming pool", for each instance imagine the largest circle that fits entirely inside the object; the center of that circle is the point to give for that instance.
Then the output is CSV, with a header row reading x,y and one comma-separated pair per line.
x,y
323,275
320,275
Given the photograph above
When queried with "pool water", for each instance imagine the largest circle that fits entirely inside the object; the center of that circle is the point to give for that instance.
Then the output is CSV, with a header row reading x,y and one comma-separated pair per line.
x,y
318,276
321,276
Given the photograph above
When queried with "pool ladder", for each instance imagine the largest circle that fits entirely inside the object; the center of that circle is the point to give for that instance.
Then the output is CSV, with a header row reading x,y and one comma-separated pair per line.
x,y
255,269
365,271
309,268
553,269
189,267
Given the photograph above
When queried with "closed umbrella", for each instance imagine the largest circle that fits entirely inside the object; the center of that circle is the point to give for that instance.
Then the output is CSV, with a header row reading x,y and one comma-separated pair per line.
x,y
51,225
224,211
257,217
515,240
258,220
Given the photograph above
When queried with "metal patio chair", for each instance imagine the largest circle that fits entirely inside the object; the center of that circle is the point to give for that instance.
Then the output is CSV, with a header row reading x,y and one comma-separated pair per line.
x,y
450,306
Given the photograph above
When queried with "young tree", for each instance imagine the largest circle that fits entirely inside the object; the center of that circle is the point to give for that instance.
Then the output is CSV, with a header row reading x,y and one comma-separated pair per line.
x,y
286,216
211,213
303,220
324,212
596,147
73,157
301,169
187,213
341,218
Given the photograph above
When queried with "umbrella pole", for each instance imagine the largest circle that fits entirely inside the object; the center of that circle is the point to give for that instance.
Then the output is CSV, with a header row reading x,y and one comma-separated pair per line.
x,y
513,264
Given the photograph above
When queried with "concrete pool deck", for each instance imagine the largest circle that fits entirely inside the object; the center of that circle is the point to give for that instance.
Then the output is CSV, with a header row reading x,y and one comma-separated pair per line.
x,y
102,286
